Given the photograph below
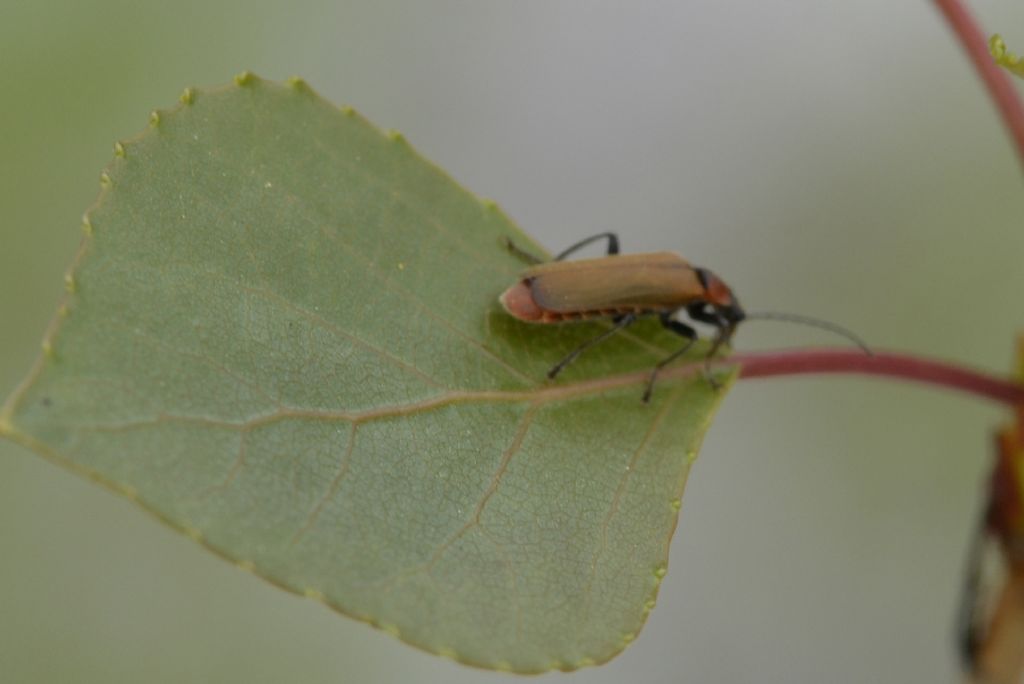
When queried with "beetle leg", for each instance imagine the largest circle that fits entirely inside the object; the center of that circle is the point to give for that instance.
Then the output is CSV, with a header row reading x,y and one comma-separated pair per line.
x,y
522,253
724,336
613,248
613,245
700,311
620,323
679,328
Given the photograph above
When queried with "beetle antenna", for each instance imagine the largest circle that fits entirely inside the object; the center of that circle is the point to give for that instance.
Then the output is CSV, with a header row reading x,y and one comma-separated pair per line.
x,y
814,323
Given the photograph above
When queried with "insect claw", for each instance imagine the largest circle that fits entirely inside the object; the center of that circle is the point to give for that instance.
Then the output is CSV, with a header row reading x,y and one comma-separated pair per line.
x,y
519,252
709,376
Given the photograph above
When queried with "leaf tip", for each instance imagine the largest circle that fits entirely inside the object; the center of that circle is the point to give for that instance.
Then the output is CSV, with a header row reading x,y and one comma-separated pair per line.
x,y
48,350
246,78
660,572
154,119
649,606
69,283
105,181
448,653
188,96
119,150
86,225
584,662
348,110
396,136
628,638
676,504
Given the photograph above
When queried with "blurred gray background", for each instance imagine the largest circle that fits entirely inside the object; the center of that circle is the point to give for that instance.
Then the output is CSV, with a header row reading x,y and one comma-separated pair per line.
x,y
832,158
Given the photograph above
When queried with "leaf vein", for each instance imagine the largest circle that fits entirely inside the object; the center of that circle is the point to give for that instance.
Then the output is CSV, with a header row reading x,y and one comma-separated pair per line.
x,y
620,487
332,489
492,487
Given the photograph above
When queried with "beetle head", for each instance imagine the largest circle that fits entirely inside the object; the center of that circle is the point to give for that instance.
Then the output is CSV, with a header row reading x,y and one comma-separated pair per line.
x,y
719,296
732,312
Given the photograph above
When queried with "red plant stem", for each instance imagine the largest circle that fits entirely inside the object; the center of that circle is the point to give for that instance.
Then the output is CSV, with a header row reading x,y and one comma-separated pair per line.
x,y
999,85
890,364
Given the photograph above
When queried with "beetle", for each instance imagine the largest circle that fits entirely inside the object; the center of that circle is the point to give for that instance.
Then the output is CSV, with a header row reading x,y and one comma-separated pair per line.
x,y
627,287
989,615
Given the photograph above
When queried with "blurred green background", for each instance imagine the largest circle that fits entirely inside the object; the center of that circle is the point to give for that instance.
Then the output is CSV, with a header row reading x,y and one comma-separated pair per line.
x,y
834,159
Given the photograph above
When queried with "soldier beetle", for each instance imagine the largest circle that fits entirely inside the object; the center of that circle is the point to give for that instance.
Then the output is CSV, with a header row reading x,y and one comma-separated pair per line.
x,y
624,288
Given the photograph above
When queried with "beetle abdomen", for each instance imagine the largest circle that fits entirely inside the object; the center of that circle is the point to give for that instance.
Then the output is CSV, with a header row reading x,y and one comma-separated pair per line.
x,y
518,301
559,316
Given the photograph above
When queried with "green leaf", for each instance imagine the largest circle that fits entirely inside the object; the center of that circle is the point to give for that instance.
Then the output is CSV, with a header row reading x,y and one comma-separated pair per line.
x,y
1003,57
282,337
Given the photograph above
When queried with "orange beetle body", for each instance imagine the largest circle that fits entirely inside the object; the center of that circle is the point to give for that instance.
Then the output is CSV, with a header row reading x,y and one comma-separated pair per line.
x,y
610,286
623,288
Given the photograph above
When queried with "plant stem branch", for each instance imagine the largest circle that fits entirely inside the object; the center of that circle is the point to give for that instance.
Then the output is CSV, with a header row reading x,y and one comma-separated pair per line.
x,y
890,364
999,85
